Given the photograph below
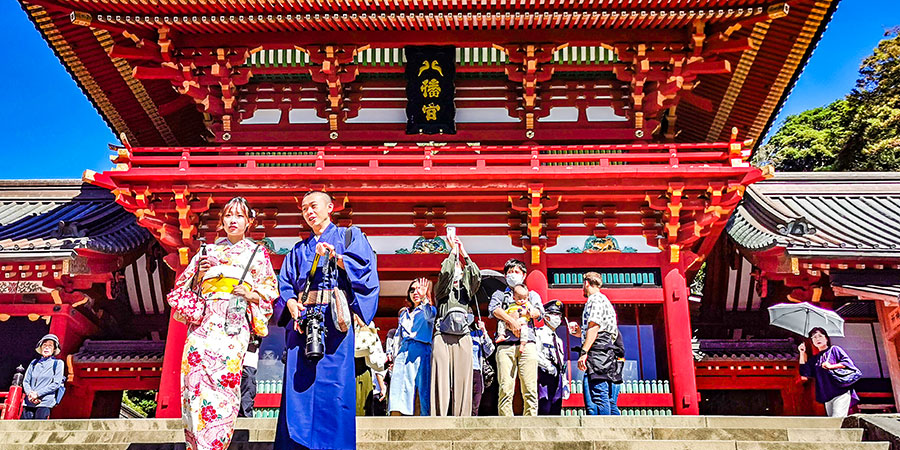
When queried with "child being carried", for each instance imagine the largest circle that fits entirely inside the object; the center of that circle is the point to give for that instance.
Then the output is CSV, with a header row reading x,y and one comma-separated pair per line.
x,y
519,311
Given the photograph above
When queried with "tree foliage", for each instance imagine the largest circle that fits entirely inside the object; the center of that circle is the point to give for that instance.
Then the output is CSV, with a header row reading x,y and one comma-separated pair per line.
x,y
143,402
858,133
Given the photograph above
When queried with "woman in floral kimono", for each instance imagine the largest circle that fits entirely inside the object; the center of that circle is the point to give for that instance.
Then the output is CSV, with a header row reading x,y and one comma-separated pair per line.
x,y
211,366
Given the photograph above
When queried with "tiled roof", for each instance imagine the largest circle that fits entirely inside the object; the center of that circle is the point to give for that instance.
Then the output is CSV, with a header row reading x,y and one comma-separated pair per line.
x,y
120,351
748,98
52,216
748,350
831,215
857,309
876,283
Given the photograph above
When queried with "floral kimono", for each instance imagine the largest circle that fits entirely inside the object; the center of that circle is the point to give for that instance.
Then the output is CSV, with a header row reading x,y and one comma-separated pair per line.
x,y
211,365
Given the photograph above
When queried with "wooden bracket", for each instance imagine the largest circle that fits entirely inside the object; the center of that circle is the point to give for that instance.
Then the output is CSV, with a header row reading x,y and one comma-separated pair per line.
x,y
332,66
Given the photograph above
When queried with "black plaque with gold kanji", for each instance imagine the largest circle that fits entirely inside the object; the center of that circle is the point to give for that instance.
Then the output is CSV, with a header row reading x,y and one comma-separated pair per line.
x,y
430,72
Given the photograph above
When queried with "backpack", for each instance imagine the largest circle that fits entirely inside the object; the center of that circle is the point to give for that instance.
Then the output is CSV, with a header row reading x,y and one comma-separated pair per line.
x,y
62,389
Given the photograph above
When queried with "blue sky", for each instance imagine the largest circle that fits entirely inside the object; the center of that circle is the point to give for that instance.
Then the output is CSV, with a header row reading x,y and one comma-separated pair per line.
x,y
51,130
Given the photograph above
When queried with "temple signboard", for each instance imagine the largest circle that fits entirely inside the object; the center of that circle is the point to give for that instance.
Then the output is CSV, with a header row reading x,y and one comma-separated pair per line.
x,y
430,73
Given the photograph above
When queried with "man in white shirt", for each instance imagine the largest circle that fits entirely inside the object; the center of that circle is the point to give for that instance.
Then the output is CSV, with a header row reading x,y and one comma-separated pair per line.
x,y
599,333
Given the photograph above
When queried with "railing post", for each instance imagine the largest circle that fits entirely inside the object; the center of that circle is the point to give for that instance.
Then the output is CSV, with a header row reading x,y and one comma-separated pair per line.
x,y
320,160
183,164
15,396
673,156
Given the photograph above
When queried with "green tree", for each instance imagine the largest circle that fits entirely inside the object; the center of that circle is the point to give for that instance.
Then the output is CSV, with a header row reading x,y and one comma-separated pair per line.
x,y
808,141
858,133
144,402
874,140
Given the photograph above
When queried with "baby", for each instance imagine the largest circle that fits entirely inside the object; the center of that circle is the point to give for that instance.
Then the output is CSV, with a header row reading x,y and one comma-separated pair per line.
x,y
519,312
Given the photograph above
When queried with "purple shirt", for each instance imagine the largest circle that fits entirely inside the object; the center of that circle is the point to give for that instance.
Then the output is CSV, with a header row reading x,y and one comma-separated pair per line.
x,y
826,387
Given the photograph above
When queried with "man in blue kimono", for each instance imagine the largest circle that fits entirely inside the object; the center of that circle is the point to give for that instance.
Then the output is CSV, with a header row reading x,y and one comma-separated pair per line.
x,y
318,404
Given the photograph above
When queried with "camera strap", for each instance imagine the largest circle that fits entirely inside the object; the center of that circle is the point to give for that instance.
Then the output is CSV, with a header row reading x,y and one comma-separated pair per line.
x,y
309,279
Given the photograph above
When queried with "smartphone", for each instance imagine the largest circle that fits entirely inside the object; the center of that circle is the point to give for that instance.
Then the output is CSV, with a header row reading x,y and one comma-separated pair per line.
x,y
451,234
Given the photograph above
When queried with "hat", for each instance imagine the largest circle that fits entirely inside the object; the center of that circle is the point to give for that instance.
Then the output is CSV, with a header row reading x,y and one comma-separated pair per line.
x,y
553,307
48,337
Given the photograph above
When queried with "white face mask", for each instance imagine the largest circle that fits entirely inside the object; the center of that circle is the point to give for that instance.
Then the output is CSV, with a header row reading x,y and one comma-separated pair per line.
x,y
513,279
552,320
457,274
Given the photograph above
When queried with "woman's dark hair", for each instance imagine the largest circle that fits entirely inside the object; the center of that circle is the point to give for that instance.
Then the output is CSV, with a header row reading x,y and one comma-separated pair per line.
x,y
513,262
239,204
409,292
823,332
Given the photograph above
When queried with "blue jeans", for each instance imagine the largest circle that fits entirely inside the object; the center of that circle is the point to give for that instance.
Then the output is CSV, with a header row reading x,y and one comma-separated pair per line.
x,y
601,398
590,407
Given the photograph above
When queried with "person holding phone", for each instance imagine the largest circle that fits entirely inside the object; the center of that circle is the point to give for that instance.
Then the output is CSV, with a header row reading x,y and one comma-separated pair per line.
x,y
211,368
457,284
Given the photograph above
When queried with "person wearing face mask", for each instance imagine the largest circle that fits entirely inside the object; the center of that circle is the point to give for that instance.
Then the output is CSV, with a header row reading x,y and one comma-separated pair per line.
x,y
514,359
411,375
451,360
552,377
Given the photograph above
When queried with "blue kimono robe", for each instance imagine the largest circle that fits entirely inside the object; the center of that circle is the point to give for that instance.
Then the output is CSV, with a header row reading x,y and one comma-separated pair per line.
x,y
318,404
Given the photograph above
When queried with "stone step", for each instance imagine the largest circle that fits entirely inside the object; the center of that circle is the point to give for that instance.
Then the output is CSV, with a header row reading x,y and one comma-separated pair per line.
x,y
463,434
453,422
502,445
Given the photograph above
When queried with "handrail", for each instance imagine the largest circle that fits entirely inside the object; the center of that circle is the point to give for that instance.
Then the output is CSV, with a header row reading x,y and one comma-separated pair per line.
x,y
710,154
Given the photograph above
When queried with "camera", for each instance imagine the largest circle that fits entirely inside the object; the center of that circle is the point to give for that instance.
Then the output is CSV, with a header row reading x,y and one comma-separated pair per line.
x,y
313,325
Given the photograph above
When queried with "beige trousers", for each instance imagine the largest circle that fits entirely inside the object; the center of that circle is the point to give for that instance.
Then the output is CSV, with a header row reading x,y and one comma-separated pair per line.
x,y
451,375
510,362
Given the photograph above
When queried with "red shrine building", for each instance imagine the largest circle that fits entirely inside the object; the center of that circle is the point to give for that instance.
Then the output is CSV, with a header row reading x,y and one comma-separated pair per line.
x,y
576,136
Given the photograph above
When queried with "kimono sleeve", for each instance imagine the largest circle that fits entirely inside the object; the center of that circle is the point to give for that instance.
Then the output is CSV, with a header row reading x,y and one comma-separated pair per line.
x,y
266,285
288,277
182,299
362,272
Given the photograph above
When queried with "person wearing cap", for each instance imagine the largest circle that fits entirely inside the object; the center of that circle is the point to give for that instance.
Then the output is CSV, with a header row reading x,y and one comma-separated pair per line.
x,y
552,377
44,380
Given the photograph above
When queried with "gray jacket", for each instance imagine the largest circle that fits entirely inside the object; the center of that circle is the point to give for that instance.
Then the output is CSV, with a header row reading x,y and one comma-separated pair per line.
x,y
44,376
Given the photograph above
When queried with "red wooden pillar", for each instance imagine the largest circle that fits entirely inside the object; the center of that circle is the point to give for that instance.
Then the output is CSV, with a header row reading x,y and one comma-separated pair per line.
x,y
168,400
678,340
536,279
72,327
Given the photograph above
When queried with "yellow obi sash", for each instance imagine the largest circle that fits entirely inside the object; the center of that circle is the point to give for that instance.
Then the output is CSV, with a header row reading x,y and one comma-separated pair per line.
x,y
221,284
222,278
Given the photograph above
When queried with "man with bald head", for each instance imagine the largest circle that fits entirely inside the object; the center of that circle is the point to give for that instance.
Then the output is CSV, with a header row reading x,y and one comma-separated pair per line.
x,y
318,404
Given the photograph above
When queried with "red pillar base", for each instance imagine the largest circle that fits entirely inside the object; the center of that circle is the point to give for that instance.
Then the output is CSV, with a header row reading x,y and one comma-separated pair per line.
x,y
168,400
678,340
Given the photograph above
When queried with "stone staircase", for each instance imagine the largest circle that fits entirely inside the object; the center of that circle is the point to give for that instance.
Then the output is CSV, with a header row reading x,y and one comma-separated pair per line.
x,y
469,433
